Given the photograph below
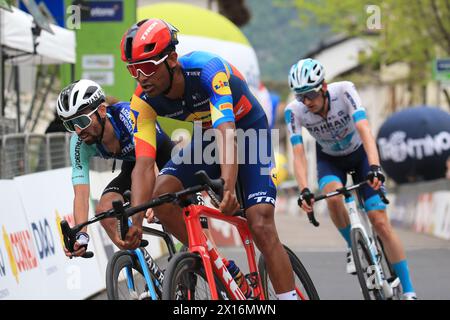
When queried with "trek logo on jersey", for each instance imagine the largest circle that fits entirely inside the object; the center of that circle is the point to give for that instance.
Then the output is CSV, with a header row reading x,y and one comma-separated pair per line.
x,y
133,117
220,84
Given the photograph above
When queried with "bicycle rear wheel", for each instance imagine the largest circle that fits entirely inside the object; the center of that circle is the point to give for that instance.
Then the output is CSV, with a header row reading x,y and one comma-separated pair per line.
x,y
123,270
303,284
185,279
364,264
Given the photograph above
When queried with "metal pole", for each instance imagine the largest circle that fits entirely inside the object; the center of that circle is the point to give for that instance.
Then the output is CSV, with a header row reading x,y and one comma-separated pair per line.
x,y
17,88
47,90
34,99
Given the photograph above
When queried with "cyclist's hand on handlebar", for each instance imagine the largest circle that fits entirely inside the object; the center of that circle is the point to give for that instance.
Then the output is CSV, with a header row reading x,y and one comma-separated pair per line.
x,y
375,177
132,239
307,200
80,246
150,215
229,204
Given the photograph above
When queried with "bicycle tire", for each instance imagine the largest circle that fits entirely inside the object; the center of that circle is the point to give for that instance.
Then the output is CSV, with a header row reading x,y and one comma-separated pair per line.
x,y
300,272
388,270
358,241
184,268
116,289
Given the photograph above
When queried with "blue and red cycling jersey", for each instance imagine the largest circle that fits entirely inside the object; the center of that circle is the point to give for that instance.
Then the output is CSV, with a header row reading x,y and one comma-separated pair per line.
x,y
215,92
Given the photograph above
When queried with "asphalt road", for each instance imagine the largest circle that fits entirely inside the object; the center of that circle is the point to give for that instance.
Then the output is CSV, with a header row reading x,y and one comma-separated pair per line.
x,y
322,252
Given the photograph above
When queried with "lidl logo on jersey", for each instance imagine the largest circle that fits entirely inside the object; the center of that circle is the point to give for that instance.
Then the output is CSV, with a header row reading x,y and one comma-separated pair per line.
x,y
220,84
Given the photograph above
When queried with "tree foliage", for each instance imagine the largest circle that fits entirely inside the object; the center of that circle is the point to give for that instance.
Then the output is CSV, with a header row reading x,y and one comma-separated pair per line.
x,y
415,31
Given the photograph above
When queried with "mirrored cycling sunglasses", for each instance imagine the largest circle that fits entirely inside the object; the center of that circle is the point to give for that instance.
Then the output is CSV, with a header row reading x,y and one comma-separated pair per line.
x,y
82,121
147,67
311,95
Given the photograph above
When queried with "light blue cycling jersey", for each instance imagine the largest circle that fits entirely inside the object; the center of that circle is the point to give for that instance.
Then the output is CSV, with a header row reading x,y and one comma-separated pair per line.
x,y
336,133
80,152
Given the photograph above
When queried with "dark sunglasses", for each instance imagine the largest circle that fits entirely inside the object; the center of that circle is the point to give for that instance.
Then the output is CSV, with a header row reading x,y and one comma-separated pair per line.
x,y
82,121
311,95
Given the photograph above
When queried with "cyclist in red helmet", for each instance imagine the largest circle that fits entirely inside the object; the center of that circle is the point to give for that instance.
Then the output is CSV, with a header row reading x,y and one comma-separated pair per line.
x,y
202,87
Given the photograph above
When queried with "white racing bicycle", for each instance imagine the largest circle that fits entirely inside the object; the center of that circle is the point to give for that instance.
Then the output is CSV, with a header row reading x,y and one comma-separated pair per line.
x,y
376,276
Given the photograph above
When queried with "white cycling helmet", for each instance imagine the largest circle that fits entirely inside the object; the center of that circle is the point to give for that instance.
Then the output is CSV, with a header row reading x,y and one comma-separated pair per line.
x,y
78,96
306,75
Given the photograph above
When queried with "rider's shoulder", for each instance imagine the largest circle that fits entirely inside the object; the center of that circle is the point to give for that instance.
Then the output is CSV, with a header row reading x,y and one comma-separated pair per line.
x,y
296,107
341,86
202,60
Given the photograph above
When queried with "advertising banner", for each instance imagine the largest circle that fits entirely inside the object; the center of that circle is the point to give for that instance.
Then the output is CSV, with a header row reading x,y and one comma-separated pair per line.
x,y
99,28
414,144
21,276
45,206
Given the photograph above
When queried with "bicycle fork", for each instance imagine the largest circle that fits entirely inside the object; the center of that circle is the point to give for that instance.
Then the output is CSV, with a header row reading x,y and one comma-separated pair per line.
x,y
376,280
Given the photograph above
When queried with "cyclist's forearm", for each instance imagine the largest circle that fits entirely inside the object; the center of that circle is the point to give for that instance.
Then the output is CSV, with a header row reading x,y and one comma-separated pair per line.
x,y
300,171
368,142
81,204
143,180
227,146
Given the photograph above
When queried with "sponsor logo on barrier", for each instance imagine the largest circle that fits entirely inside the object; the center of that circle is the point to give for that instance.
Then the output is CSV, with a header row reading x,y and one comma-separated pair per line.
x,y
69,218
398,147
21,254
43,238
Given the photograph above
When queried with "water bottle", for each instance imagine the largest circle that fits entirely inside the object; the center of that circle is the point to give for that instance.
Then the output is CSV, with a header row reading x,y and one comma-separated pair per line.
x,y
238,276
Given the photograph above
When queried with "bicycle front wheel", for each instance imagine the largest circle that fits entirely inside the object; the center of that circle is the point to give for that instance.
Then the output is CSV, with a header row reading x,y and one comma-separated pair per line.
x,y
365,266
185,279
125,279
303,284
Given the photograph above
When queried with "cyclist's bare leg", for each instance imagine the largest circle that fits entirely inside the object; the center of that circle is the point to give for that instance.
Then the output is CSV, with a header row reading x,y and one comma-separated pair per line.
x,y
262,226
336,206
392,243
110,224
170,215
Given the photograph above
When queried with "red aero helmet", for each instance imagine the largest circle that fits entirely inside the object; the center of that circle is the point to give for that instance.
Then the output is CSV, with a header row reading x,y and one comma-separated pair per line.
x,y
147,39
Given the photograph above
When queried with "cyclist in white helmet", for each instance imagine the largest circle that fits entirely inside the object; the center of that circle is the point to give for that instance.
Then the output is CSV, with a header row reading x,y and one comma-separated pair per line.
x,y
102,129
333,114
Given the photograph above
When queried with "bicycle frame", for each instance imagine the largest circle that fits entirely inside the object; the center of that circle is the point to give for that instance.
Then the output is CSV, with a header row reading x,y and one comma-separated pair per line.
x,y
212,260
148,265
356,223
361,222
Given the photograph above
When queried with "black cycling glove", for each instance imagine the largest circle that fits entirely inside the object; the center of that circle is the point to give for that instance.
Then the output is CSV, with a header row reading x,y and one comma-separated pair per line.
x,y
305,195
375,172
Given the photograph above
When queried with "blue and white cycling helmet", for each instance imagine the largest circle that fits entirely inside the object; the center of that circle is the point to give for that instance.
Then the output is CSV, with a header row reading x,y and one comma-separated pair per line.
x,y
306,75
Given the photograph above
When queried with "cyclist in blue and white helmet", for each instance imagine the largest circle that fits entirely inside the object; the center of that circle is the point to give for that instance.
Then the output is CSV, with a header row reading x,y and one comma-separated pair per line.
x,y
307,81
334,116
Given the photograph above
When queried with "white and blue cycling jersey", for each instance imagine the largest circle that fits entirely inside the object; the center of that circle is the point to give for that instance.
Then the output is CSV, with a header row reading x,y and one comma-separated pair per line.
x,y
336,134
